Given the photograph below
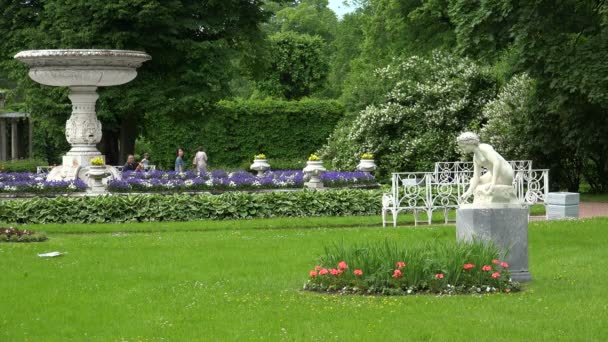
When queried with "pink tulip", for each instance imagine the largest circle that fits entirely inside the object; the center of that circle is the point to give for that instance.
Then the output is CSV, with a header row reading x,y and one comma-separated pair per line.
x,y
323,271
397,274
400,264
468,266
486,268
495,275
313,274
439,275
358,272
342,265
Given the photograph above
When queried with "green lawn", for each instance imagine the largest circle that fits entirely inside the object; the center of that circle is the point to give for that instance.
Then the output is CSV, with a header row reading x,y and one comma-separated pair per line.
x,y
594,197
240,281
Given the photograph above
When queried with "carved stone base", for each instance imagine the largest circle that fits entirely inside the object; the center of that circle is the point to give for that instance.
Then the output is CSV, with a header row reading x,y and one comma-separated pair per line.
x,y
77,167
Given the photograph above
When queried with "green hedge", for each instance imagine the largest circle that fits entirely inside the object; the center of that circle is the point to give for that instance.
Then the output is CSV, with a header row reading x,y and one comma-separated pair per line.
x,y
231,132
183,207
21,165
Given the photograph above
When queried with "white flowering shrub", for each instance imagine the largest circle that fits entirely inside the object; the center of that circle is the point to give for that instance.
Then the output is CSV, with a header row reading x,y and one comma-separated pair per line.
x,y
433,100
509,118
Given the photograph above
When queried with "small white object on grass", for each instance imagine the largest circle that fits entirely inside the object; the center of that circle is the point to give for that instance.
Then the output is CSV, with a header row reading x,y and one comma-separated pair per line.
x,y
50,254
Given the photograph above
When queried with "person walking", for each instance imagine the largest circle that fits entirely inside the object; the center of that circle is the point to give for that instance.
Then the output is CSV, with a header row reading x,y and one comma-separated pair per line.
x,y
200,160
179,162
146,161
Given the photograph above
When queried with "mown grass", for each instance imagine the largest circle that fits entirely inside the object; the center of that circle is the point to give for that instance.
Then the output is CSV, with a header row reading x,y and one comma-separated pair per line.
x,y
245,284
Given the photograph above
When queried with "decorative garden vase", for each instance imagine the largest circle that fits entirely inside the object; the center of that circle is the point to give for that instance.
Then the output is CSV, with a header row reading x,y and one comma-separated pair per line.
x,y
366,165
260,165
314,169
97,173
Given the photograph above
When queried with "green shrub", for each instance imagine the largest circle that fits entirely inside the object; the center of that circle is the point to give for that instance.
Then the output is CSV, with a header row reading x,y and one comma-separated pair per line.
x,y
17,235
232,132
395,269
21,165
185,207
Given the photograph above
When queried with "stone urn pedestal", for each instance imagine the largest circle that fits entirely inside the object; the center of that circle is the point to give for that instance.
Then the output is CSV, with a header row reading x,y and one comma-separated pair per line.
x,y
313,170
367,165
83,71
261,166
505,224
97,173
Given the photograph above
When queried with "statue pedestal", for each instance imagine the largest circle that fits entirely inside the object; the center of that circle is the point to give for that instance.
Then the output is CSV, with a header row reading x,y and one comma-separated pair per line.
x,y
504,224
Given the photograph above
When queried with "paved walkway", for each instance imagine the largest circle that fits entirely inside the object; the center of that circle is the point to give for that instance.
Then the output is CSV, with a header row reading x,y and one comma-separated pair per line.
x,y
593,209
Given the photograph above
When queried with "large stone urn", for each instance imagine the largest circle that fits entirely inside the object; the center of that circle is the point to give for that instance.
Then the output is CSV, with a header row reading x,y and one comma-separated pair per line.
x,y
82,71
314,169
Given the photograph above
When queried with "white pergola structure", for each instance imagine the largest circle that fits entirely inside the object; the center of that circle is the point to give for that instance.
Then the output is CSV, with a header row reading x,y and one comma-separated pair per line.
x,y
13,120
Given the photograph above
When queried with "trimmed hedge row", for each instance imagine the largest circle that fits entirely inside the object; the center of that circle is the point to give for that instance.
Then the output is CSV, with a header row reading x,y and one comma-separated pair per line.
x,y
184,207
232,132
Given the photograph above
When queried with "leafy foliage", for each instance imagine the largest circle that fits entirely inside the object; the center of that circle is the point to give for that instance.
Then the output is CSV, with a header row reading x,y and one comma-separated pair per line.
x,y
563,46
432,101
182,207
233,131
298,66
21,165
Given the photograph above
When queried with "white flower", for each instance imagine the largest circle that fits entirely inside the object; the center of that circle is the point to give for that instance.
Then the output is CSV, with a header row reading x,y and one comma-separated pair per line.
x,y
256,183
209,182
189,182
232,184
72,186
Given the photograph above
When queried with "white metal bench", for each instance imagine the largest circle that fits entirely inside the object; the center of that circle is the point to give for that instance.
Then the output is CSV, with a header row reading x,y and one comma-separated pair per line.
x,y
441,190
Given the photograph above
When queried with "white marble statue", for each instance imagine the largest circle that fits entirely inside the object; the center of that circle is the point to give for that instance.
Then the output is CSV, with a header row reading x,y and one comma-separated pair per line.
x,y
496,185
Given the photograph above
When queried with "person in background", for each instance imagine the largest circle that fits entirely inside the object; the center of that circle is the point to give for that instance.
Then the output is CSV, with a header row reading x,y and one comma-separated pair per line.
x,y
179,162
200,160
131,165
145,162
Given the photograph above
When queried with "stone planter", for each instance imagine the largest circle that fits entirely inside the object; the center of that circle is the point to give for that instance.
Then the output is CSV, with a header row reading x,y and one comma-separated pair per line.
x,y
367,165
97,173
260,165
314,169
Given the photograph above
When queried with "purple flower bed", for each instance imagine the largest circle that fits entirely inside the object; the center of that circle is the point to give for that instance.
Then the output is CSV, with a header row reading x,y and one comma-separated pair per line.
x,y
19,182
156,181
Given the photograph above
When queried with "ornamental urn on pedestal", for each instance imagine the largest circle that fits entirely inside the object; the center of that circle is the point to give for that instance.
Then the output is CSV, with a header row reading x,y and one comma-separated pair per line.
x,y
314,168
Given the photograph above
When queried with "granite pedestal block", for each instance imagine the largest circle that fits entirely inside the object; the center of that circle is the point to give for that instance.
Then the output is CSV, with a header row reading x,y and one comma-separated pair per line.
x,y
505,225
562,205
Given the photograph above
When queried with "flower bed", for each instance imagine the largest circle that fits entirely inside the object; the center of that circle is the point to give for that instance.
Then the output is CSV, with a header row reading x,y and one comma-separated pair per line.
x,y
160,181
391,269
15,235
20,182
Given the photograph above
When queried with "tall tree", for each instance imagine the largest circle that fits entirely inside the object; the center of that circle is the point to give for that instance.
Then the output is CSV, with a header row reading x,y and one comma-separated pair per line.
x,y
563,45
191,44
